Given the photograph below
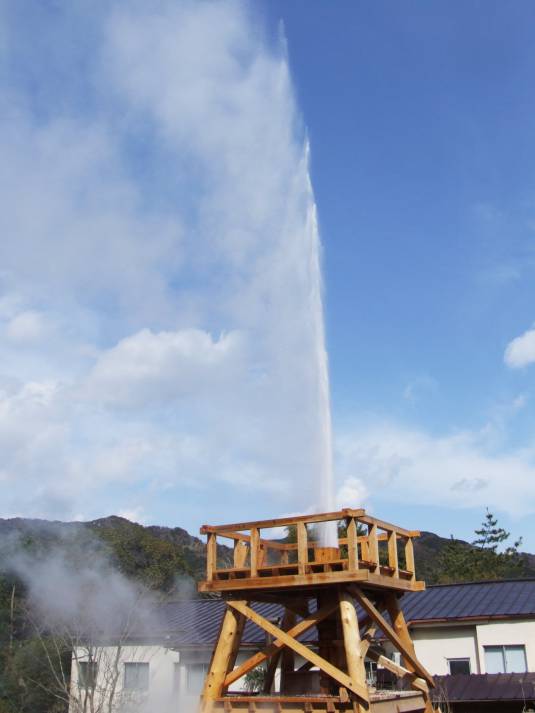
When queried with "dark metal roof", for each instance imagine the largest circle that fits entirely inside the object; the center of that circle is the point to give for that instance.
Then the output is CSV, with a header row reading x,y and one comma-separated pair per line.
x,y
485,687
196,622
508,598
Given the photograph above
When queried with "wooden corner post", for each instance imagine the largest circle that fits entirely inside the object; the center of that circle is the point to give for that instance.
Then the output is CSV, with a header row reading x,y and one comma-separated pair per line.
x,y
353,653
224,656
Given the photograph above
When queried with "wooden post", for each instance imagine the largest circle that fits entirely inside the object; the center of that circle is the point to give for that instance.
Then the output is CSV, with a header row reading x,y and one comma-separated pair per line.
x,y
393,552
352,546
287,655
302,547
224,655
211,556
327,634
255,543
409,558
373,546
402,630
350,630
240,553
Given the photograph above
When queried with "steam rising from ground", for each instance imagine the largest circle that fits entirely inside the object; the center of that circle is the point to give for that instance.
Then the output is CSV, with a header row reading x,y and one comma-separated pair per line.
x,y
78,605
160,303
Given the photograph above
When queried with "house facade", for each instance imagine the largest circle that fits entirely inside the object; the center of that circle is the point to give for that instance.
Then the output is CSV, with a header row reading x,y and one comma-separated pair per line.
x,y
474,628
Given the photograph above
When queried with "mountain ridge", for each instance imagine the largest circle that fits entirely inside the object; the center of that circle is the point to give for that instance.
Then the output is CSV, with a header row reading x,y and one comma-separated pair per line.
x,y
158,554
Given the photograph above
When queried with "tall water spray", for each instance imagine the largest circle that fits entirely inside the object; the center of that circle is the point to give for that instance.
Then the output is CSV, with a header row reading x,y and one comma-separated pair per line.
x,y
326,494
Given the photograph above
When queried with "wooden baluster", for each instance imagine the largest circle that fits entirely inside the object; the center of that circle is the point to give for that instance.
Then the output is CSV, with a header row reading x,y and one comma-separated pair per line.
x,y
211,556
393,552
373,546
240,553
285,557
364,549
302,548
409,558
255,553
352,547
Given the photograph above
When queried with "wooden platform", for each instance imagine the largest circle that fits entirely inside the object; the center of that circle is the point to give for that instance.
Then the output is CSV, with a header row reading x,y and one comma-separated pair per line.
x,y
368,551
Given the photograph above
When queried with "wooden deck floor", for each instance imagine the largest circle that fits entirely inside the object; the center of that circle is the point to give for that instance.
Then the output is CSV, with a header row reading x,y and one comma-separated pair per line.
x,y
380,702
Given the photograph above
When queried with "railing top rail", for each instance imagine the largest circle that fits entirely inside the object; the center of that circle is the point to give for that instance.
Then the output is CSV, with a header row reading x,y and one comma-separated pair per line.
x,y
282,521
382,525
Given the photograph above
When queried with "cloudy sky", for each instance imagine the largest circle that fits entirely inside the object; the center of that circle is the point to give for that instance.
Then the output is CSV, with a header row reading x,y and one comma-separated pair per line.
x,y
160,344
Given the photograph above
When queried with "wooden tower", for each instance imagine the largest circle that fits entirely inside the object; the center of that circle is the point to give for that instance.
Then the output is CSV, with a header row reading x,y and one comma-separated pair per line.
x,y
316,589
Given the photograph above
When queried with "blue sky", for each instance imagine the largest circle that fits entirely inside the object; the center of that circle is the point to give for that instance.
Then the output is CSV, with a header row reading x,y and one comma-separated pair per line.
x,y
155,336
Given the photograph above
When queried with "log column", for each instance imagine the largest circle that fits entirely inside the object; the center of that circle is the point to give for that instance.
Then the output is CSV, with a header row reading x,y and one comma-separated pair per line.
x,y
224,656
350,629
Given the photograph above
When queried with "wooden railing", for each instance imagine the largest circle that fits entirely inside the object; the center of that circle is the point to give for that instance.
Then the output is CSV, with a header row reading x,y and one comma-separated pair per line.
x,y
363,542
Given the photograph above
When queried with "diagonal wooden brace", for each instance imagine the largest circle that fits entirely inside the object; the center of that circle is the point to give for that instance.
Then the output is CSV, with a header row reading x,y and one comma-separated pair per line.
x,y
277,645
390,634
342,678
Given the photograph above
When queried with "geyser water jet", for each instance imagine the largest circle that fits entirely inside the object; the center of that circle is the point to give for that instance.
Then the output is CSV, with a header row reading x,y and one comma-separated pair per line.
x,y
327,531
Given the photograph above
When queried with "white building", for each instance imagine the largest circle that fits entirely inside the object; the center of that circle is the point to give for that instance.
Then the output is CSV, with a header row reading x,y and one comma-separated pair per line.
x,y
474,628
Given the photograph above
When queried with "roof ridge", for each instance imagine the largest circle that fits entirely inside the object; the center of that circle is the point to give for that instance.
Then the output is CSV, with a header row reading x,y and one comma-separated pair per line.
x,y
481,581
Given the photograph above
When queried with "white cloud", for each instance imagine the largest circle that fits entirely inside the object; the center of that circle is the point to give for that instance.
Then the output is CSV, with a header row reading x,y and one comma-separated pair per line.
x,y
521,350
27,327
411,467
148,368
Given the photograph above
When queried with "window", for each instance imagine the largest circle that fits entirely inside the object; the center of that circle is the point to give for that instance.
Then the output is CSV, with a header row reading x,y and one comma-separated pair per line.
x,y
87,674
136,676
195,675
505,659
458,666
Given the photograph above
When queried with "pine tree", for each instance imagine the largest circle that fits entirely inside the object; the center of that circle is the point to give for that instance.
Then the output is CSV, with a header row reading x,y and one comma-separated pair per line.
x,y
483,559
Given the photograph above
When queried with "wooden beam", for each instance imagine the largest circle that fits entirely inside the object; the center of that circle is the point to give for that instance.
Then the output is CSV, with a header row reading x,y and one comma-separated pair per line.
x,y
302,547
409,558
241,550
224,652
373,546
350,630
382,525
401,644
282,521
367,640
270,672
255,554
352,547
399,671
292,580
287,655
393,553
211,556
315,659
277,645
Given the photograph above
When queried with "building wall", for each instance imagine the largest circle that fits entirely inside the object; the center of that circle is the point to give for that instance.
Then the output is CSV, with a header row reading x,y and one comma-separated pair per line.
x,y
507,633
168,677
434,646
